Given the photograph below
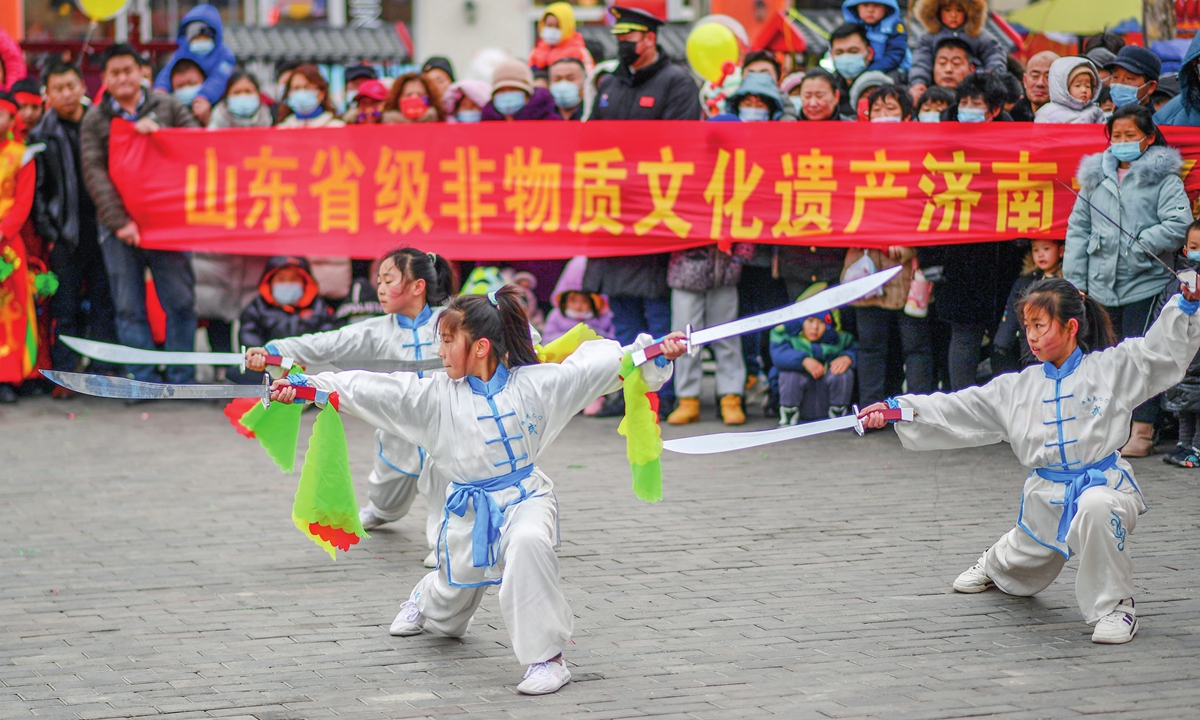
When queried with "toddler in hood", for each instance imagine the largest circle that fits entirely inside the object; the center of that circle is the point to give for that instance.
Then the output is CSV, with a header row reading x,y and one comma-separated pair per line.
x,y
573,306
1074,84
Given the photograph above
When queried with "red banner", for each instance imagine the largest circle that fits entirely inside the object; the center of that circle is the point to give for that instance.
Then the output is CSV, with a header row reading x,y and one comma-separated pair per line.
x,y
553,190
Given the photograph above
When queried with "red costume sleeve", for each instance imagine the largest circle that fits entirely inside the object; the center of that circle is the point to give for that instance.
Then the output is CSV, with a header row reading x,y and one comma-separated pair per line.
x,y
10,224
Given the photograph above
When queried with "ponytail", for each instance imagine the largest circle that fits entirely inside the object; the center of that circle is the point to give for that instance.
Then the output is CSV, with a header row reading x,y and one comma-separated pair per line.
x,y
1062,302
434,269
498,316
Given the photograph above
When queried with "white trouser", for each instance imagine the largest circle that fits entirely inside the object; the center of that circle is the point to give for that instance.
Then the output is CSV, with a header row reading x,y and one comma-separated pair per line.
x,y
535,611
433,488
391,491
1020,565
701,310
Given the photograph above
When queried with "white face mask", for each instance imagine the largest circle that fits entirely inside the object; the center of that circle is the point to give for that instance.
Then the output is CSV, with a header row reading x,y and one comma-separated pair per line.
x,y
931,116
882,119
579,314
552,36
287,293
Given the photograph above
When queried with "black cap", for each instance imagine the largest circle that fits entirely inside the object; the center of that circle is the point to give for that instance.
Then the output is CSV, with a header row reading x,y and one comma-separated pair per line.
x,y
1168,86
361,72
1137,60
437,62
632,20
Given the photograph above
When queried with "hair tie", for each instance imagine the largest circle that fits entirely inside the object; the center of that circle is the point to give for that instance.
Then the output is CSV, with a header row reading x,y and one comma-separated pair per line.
x,y
492,298
432,257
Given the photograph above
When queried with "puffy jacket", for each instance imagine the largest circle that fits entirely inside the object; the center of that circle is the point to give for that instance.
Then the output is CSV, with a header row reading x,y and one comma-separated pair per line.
x,y
539,107
1184,108
986,51
265,320
571,280
222,118
895,291
1185,396
1064,107
659,91
217,65
888,37
705,268
1150,203
789,347
571,45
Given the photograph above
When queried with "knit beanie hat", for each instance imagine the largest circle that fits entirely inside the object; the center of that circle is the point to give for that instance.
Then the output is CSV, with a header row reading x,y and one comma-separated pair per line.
x,y
512,74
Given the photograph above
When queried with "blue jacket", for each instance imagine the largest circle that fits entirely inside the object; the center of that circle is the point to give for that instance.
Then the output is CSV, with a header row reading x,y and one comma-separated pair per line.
x,y
888,37
217,65
789,347
1184,108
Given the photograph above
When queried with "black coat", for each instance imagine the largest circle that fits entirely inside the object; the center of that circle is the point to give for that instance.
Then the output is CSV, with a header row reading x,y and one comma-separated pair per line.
x,y
58,205
659,91
1184,396
976,279
643,276
1011,351
263,322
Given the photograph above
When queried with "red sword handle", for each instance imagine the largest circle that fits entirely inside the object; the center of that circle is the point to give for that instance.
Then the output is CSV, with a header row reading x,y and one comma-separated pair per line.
x,y
891,414
310,394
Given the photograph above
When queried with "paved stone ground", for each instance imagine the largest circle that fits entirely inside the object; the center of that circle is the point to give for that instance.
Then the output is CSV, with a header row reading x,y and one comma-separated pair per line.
x,y
150,567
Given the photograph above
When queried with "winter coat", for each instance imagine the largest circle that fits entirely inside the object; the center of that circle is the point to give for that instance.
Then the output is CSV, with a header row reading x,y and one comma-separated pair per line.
x,y
225,284
659,91
1185,396
888,37
1184,108
539,107
217,65
325,119
222,118
760,85
1064,107
543,55
93,141
13,59
571,280
1150,203
643,276
976,280
706,268
56,201
986,52
1010,350
789,347
895,291
265,320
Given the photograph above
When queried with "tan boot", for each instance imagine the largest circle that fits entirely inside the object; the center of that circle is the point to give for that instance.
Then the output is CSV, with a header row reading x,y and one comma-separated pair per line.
x,y
688,412
1141,441
731,410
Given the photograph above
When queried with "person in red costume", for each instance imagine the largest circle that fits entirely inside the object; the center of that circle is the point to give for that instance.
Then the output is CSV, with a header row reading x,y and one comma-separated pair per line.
x,y
18,323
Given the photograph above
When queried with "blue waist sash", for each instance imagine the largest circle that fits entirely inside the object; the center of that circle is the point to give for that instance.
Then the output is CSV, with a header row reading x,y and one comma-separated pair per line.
x,y
1074,483
489,516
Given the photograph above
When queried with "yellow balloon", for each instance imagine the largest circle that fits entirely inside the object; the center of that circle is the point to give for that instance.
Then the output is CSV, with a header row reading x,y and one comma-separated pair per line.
x,y
709,47
101,10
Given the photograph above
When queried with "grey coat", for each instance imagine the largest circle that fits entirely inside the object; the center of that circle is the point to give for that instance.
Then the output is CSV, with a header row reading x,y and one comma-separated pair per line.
x,y
1150,203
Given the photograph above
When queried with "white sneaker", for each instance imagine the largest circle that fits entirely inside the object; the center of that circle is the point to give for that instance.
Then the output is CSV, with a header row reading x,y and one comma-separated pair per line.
x,y
431,559
545,677
788,416
409,621
974,580
370,520
1119,626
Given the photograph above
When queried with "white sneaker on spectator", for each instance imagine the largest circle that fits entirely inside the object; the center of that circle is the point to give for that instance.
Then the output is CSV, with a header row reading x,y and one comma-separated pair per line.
x,y
545,677
1119,626
370,520
409,621
788,416
974,580
431,559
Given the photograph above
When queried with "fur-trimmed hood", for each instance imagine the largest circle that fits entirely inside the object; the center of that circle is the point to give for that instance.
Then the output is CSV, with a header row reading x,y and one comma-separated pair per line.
x,y
926,11
1150,169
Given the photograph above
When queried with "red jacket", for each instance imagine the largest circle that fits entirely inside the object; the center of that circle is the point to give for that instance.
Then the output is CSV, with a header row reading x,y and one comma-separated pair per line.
x,y
543,56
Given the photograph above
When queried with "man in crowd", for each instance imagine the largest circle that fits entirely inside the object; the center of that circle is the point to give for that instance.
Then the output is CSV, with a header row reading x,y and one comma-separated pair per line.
x,y
566,85
951,63
851,53
1036,82
980,99
65,218
125,99
1134,75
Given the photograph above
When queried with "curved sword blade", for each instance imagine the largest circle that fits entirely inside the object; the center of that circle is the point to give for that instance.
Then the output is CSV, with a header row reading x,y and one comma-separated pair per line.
x,y
125,355
124,388
728,442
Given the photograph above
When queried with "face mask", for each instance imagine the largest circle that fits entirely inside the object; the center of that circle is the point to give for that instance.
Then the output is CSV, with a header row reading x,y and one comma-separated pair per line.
x,y
242,105
413,106
1127,151
796,102
578,314
627,52
753,114
187,94
468,116
1108,114
1193,255
850,64
287,293
566,93
1124,94
202,46
931,116
303,102
509,102
972,115
552,36
886,119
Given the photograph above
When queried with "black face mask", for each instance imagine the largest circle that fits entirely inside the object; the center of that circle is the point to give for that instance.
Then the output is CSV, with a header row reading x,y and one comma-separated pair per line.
x,y
627,52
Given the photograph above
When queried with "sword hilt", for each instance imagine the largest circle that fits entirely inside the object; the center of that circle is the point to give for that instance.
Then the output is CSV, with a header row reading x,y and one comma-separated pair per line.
x,y
283,362
891,414
648,353
315,395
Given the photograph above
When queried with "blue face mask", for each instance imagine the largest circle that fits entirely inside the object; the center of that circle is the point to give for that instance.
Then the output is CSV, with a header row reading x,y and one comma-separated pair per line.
x,y
187,94
972,115
303,101
850,65
468,116
1124,94
1127,151
242,105
931,116
566,93
287,293
202,46
509,102
753,114
1193,255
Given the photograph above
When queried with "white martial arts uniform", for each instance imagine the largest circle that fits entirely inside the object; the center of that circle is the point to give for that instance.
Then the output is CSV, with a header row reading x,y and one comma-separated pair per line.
x,y
1067,425
486,439
401,469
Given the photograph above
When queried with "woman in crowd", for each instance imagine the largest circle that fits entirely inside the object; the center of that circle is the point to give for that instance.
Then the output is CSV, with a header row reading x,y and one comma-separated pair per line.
x,y
306,100
412,99
819,96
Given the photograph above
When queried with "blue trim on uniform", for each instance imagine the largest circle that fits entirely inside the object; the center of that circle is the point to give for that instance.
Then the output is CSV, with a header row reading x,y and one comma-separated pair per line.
x,y
389,463
1075,483
491,387
1070,365
272,349
1189,307
489,518
415,324
1021,524
1063,464
892,403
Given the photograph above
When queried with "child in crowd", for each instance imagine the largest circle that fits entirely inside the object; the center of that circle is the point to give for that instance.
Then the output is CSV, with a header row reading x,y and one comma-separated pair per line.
x,y
465,100
959,19
933,102
813,360
885,31
573,306
1183,399
558,39
187,79
1073,84
287,304
484,423
30,108
889,103
1010,352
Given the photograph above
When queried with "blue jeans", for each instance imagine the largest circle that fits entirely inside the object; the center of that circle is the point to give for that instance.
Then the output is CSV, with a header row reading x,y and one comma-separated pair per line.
x,y
634,315
174,283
